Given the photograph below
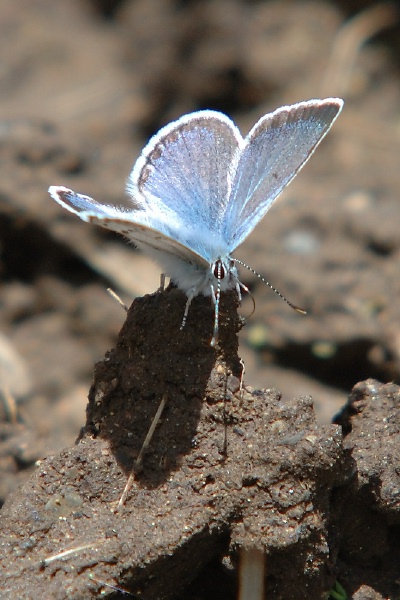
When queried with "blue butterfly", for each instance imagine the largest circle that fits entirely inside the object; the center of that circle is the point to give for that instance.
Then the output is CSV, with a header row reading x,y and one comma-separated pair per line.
x,y
199,188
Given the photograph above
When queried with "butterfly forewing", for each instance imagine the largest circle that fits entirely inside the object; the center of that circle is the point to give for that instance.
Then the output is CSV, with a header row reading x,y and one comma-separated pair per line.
x,y
276,148
185,168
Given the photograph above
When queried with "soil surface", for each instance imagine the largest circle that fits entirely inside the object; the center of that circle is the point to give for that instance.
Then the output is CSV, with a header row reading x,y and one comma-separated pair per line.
x,y
230,468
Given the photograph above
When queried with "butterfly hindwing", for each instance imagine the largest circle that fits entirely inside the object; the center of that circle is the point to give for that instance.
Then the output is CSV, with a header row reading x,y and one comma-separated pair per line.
x,y
114,218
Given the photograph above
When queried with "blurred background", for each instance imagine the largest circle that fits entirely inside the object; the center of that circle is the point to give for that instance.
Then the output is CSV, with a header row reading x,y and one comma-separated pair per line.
x,y
84,84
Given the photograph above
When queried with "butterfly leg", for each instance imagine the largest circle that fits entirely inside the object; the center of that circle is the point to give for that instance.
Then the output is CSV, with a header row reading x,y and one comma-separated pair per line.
x,y
239,293
215,295
185,314
162,283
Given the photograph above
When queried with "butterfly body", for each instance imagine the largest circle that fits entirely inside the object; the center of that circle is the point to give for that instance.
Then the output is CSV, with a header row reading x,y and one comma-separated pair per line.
x,y
193,278
199,188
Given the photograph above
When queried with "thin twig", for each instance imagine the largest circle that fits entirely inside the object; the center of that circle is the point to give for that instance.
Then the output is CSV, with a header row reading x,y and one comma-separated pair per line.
x,y
139,461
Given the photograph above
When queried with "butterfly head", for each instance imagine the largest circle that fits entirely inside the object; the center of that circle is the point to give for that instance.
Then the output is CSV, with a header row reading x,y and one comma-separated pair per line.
x,y
224,274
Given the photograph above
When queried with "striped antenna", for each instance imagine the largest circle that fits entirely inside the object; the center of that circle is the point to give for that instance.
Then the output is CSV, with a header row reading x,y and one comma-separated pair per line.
x,y
296,308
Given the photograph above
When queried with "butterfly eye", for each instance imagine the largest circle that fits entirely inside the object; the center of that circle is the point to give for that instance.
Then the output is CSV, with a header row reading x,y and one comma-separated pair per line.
x,y
219,270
